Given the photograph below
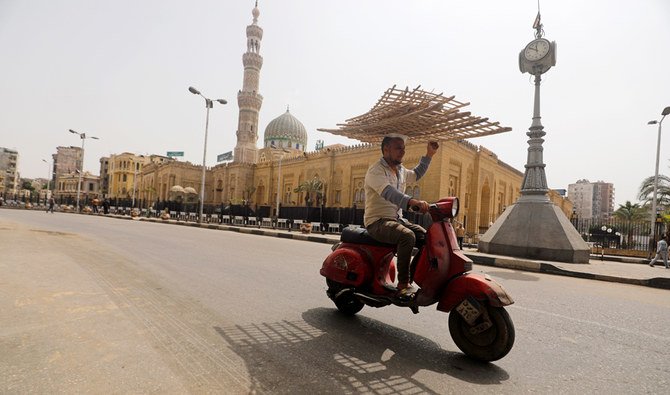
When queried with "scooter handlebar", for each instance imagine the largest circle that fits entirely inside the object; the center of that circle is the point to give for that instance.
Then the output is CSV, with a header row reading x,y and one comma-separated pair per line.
x,y
416,209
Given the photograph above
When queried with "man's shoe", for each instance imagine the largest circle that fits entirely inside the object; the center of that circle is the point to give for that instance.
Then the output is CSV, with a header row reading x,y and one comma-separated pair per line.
x,y
406,293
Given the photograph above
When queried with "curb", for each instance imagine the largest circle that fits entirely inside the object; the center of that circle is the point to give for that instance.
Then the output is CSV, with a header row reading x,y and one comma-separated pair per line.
x,y
541,267
243,229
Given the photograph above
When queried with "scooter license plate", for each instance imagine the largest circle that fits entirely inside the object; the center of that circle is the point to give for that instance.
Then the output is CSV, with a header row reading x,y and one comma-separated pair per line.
x,y
468,311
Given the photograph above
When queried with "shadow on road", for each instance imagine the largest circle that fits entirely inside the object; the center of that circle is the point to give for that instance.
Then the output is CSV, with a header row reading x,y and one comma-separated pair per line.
x,y
328,352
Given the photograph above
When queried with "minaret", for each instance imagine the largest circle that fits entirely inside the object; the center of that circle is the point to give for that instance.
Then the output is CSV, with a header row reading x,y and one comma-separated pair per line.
x,y
248,99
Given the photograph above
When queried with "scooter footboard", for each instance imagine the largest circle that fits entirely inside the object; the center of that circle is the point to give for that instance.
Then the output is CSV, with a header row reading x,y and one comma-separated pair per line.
x,y
480,287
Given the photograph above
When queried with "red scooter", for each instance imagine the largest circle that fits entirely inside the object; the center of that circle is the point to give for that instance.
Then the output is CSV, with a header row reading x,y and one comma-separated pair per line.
x,y
361,271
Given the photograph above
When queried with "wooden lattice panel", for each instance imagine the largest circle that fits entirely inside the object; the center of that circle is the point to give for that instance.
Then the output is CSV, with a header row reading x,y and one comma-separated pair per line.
x,y
420,115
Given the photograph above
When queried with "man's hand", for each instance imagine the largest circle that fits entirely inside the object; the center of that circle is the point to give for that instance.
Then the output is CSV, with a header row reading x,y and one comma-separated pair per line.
x,y
432,148
421,204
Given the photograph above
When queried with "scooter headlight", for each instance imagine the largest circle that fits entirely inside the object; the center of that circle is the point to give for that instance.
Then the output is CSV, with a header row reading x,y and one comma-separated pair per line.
x,y
448,207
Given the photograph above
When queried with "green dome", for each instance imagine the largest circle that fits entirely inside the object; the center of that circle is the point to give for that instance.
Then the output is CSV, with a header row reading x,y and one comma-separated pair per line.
x,y
285,131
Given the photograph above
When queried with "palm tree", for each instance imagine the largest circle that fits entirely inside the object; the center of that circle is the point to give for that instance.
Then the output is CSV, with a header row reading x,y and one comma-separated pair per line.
x,y
646,193
312,189
628,214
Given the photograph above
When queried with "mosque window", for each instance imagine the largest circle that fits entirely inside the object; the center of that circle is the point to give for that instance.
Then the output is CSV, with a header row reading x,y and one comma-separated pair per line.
x,y
359,194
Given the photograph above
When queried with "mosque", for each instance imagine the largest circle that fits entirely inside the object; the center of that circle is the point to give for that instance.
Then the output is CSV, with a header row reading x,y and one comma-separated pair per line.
x,y
269,176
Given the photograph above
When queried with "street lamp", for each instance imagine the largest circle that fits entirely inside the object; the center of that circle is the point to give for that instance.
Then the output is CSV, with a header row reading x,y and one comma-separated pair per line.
x,y
665,112
606,231
83,137
48,175
134,182
285,151
208,105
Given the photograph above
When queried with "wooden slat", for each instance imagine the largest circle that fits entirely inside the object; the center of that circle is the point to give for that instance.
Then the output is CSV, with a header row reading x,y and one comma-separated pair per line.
x,y
421,115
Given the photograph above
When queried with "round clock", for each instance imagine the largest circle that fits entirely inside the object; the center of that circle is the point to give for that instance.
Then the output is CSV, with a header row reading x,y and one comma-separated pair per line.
x,y
536,49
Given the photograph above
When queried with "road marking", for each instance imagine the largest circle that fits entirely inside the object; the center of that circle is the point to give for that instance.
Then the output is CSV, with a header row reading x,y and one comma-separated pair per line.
x,y
594,323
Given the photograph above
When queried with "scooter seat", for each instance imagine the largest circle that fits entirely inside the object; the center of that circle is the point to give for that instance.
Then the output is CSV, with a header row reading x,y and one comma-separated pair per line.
x,y
361,236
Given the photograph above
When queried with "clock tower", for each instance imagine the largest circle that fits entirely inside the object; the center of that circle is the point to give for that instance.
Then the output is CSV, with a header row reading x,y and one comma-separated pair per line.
x,y
533,227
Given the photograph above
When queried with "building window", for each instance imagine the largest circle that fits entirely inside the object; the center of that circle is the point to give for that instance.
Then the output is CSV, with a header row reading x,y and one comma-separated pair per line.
x,y
359,194
287,195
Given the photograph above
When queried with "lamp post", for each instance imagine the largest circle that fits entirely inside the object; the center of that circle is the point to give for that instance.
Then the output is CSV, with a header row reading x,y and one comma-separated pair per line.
x,y
134,183
208,105
279,175
83,138
605,230
665,112
46,197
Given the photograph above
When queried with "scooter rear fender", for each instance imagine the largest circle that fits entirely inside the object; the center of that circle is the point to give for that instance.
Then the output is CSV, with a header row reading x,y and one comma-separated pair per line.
x,y
480,287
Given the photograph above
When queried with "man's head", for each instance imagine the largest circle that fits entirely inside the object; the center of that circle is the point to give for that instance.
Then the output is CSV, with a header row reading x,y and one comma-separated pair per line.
x,y
393,149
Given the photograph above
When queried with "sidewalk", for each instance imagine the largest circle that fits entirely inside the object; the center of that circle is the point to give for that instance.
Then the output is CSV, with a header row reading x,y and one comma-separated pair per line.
x,y
611,268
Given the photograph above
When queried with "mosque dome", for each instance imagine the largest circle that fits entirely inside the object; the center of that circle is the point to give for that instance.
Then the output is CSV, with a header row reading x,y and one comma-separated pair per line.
x,y
285,131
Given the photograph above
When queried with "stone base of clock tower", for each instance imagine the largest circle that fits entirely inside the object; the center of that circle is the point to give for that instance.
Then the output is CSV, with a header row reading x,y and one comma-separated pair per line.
x,y
535,228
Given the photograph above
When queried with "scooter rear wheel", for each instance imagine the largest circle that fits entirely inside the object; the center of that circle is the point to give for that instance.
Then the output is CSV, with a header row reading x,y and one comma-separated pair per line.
x,y
346,303
489,345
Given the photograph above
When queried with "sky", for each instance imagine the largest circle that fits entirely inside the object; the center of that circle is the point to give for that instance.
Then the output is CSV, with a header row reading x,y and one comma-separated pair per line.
x,y
120,71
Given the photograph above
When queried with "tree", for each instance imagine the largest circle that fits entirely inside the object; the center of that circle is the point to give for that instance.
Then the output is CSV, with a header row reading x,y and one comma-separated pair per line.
x,y
628,214
646,193
312,189
26,184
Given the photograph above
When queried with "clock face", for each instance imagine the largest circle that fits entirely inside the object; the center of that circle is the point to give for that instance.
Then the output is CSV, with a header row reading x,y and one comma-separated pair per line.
x,y
536,50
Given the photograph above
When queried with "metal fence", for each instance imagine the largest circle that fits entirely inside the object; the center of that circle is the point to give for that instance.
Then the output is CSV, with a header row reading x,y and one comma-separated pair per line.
x,y
617,234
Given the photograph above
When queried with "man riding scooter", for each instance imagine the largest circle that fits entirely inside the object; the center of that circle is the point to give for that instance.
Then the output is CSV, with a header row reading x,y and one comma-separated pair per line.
x,y
385,199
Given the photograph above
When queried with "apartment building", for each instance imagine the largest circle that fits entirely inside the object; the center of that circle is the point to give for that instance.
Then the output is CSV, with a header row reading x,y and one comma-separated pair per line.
x,y
8,166
592,200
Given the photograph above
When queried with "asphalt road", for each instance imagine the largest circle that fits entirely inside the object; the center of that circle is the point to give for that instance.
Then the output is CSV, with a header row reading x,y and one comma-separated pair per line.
x,y
96,305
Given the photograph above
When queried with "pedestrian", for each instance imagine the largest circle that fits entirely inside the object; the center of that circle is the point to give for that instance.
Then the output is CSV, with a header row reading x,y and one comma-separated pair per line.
x,y
661,252
105,206
52,202
460,234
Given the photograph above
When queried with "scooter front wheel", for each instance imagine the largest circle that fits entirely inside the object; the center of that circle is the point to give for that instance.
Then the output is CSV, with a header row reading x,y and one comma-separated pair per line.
x,y
485,345
346,302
